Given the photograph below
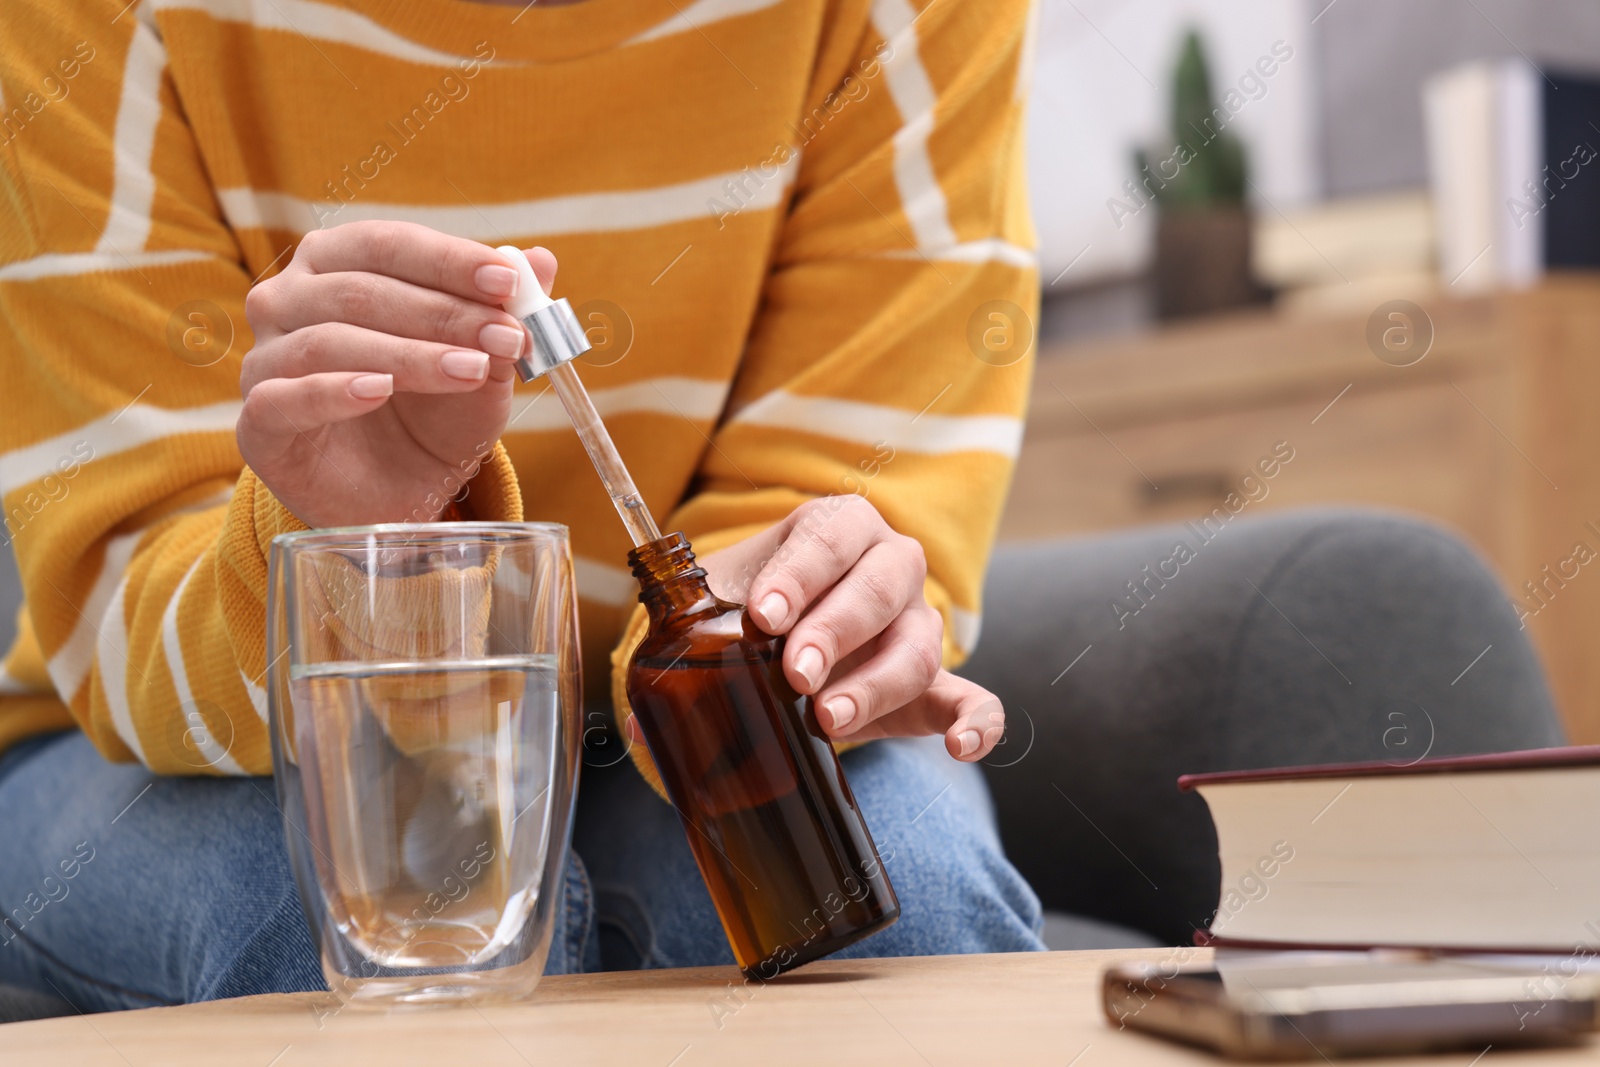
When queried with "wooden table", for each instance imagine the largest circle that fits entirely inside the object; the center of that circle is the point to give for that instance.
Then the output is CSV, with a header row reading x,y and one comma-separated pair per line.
x,y
927,1012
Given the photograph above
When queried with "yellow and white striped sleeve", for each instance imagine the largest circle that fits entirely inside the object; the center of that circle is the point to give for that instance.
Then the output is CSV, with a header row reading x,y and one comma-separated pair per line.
x,y
122,299
139,534
892,352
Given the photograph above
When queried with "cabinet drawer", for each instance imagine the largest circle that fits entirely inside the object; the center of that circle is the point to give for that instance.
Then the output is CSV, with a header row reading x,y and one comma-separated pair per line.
x,y
1424,448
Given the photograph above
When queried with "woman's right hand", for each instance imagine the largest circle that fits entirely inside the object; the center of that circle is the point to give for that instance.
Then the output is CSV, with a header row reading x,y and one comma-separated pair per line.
x,y
382,371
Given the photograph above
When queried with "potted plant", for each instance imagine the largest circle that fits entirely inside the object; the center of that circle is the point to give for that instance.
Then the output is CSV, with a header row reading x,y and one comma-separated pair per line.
x,y
1202,260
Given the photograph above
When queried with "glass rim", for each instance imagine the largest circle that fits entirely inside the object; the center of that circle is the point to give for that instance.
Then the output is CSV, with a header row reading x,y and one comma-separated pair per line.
x,y
423,530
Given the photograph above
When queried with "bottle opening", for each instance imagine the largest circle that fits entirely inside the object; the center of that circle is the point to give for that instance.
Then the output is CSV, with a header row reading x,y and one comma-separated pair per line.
x,y
668,557
667,571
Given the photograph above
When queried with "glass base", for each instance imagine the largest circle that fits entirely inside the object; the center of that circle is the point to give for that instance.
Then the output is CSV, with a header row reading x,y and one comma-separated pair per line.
x,y
434,990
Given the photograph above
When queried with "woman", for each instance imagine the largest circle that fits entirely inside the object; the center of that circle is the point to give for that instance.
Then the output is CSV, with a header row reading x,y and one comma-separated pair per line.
x,y
249,288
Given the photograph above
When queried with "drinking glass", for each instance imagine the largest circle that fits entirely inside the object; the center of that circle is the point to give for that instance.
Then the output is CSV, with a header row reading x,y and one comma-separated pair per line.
x,y
423,688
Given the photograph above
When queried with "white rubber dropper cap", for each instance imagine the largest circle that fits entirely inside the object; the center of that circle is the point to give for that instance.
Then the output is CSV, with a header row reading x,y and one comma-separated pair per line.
x,y
530,295
553,325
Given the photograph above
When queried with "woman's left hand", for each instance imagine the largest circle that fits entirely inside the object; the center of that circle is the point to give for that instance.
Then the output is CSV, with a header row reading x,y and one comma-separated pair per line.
x,y
847,590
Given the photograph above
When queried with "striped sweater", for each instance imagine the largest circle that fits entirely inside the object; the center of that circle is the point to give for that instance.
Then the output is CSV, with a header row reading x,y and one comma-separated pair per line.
x,y
797,231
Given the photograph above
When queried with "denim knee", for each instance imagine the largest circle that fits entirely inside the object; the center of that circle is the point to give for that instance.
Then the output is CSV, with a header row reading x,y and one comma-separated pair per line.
x,y
243,930
934,826
268,949
180,888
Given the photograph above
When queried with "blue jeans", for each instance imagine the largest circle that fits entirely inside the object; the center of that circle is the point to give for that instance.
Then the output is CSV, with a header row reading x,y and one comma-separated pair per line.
x,y
126,890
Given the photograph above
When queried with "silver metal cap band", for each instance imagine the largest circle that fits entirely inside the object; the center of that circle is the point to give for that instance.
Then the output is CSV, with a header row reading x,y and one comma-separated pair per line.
x,y
558,338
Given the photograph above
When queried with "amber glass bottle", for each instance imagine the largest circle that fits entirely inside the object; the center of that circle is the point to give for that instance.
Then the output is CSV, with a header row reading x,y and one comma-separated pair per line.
x,y
778,837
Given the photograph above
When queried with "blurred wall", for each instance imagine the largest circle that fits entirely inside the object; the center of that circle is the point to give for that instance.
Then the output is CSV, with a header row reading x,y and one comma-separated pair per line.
x,y
1342,117
1375,54
1103,84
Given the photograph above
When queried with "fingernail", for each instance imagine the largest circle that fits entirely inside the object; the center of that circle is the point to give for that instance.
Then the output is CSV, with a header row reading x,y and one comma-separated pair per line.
x,y
495,280
969,741
498,339
773,609
467,366
808,664
372,386
841,709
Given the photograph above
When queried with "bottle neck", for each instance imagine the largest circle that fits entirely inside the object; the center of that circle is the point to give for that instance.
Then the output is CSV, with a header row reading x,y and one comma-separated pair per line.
x,y
670,581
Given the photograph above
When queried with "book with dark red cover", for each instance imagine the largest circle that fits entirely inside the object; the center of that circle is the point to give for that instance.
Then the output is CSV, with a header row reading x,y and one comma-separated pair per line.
x,y
1571,755
1496,852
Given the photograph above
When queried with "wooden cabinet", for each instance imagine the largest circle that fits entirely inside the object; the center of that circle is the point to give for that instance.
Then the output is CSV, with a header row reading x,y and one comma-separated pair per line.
x,y
1494,432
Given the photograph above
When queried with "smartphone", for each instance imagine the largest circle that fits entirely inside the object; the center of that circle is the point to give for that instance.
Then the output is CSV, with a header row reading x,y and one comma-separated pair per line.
x,y
1306,1005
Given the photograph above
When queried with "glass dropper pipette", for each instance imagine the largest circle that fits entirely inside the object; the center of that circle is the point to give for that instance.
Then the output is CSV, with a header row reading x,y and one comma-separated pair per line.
x,y
558,338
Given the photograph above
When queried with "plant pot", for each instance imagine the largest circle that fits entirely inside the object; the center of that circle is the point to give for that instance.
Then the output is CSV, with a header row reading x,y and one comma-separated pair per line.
x,y
1203,262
